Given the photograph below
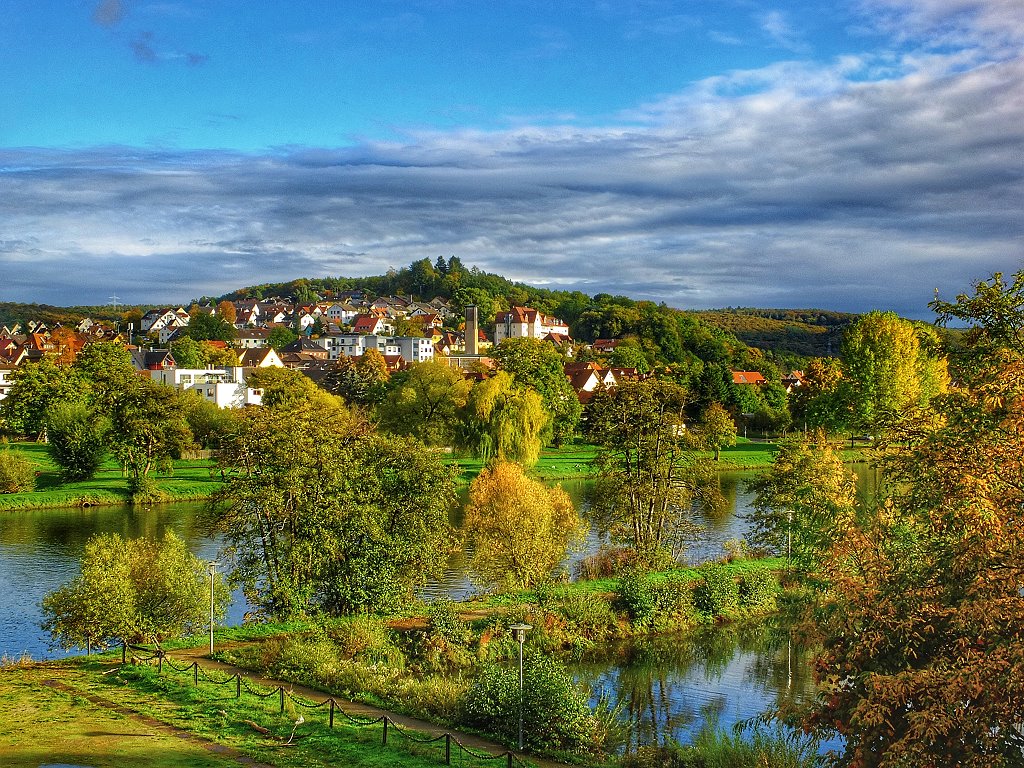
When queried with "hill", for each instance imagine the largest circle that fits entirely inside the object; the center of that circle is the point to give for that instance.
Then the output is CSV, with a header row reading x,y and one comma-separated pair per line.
x,y
804,332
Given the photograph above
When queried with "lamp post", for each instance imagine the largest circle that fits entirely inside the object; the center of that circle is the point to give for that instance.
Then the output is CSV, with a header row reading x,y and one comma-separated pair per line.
x,y
789,538
519,633
212,565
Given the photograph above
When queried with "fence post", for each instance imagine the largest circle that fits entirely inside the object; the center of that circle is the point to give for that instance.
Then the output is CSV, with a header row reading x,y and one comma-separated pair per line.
x,y
160,663
509,756
88,646
384,737
280,692
447,749
238,685
124,652
195,672
331,725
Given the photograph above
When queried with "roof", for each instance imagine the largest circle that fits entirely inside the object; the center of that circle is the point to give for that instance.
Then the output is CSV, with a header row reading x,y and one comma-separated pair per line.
x,y
748,377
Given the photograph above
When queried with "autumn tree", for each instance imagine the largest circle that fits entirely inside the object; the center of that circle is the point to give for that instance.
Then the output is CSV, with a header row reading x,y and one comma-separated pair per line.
x,y
650,469
425,402
502,421
226,311
519,528
923,631
132,591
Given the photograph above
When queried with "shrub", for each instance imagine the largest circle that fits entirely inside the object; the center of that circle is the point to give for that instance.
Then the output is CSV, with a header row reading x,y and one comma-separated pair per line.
x,y
16,474
607,561
366,638
716,592
444,622
555,711
759,590
637,596
675,601
77,440
587,613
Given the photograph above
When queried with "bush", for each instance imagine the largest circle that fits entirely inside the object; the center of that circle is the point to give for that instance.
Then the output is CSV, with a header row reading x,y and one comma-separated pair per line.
x,y
16,474
555,711
716,592
366,638
607,561
675,602
77,440
587,614
637,596
759,590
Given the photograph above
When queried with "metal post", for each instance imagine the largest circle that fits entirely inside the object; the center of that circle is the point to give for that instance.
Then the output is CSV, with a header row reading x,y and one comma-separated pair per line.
x,y
447,749
331,722
280,690
384,736
195,672
789,539
238,685
213,571
519,632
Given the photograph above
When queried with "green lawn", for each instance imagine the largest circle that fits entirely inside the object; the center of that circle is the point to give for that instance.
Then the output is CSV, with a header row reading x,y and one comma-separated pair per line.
x,y
189,480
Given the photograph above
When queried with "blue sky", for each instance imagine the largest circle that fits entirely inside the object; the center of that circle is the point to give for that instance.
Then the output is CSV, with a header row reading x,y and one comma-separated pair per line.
x,y
845,155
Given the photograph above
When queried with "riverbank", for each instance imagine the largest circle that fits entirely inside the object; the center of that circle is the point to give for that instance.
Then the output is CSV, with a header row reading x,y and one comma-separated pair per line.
x,y
189,480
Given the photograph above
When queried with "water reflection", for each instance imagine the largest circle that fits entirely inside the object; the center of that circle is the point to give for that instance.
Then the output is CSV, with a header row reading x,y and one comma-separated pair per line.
x,y
40,550
670,687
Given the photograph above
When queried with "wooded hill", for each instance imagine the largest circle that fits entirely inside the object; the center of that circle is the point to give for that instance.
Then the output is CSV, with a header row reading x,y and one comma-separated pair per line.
x,y
665,335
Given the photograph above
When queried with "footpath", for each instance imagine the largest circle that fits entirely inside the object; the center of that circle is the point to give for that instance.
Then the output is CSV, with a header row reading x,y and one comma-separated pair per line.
x,y
355,709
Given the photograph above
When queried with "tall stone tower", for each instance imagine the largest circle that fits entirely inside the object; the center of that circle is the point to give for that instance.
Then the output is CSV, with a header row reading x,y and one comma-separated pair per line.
x,y
472,330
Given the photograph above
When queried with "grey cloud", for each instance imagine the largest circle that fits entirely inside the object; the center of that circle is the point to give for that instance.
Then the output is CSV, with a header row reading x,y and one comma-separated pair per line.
x,y
807,191
109,13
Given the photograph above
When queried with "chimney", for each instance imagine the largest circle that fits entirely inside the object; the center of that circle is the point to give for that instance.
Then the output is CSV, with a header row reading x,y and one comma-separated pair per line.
x,y
472,330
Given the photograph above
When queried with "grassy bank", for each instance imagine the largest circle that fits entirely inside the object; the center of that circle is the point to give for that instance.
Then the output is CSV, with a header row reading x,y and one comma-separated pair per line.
x,y
189,480
168,722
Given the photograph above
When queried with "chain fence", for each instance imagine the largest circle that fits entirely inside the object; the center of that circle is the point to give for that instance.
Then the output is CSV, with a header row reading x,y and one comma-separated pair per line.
x,y
330,705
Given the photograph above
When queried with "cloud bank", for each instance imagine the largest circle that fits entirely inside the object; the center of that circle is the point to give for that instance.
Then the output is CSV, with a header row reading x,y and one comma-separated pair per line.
x,y
865,182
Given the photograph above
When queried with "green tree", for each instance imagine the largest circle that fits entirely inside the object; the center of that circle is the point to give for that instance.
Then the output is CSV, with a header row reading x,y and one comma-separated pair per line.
x,y
133,591
280,336
188,353
502,421
922,638
717,428
425,403
77,439
147,431
885,370
320,514
629,356
202,326
520,529
359,380
37,387
803,502
650,471
540,366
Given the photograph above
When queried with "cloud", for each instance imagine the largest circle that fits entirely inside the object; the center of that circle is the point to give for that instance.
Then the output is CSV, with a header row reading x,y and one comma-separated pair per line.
x,y
863,183
777,26
109,13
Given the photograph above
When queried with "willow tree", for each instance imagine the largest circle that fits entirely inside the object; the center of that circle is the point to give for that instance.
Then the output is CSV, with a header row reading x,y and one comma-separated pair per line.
x,y
520,529
425,401
651,470
502,421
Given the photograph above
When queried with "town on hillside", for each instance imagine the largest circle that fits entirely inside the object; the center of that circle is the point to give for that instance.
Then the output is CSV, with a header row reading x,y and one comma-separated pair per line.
x,y
211,349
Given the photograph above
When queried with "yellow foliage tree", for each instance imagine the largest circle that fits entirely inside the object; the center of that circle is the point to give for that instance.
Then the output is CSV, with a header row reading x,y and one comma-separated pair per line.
x,y
520,529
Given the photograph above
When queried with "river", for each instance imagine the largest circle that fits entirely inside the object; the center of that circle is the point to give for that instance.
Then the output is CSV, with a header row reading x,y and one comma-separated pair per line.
x,y
666,689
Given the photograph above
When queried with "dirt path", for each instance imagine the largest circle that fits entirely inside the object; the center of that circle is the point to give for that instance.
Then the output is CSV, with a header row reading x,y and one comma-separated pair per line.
x,y
353,708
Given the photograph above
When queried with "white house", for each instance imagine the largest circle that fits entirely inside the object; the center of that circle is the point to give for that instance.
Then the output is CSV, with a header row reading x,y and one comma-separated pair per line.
x,y
523,322
224,387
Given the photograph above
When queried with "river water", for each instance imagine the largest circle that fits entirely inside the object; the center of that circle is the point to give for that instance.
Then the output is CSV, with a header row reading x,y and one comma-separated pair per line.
x,y
666,690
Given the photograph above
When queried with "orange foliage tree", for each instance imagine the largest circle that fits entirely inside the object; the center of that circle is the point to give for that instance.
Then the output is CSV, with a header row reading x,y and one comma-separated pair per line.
x,y
923,660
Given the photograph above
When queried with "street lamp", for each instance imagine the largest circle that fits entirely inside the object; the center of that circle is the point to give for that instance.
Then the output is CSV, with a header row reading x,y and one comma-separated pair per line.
x,y
789,538
212,565
519,633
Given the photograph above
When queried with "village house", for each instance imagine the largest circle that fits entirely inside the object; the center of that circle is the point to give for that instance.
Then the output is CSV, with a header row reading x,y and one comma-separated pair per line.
x,y
523,322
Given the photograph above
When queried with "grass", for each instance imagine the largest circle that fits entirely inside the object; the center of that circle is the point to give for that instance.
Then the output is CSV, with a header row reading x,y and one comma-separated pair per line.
x,y
190,480
39,725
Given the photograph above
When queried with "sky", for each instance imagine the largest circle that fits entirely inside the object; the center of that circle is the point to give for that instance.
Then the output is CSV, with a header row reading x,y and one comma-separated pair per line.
x,y
846,155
